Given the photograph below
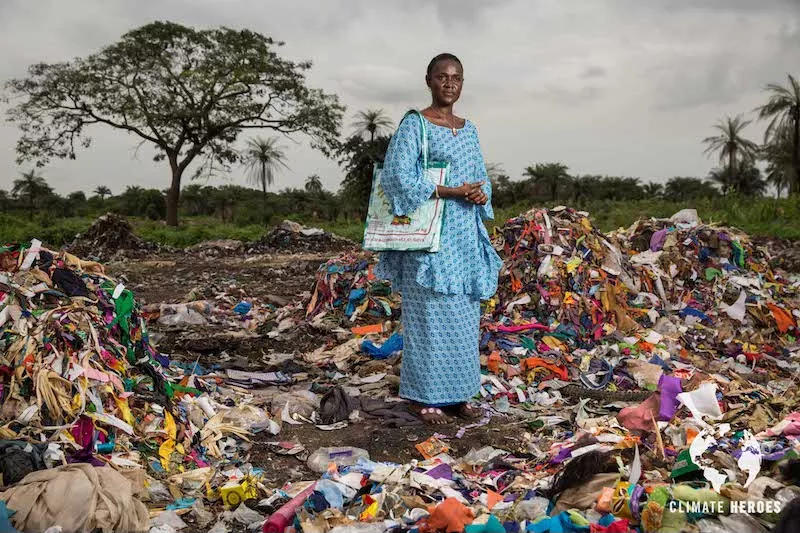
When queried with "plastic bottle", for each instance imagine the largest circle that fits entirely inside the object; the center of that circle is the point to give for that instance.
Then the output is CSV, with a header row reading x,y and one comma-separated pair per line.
x,y
342,456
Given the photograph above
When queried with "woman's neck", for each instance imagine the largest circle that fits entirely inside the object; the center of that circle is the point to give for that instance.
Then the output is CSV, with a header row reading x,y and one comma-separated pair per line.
x,y
446,110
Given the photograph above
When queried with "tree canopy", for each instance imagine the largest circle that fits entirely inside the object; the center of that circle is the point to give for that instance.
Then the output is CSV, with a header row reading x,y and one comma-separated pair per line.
x,y
188,93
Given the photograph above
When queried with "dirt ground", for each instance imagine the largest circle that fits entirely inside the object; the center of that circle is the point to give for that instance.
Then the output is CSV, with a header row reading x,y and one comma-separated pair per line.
x,y
169,278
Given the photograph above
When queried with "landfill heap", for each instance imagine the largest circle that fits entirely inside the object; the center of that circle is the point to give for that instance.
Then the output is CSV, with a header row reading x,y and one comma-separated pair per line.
x,y
648,379
109,235
296,238
83,383
347,291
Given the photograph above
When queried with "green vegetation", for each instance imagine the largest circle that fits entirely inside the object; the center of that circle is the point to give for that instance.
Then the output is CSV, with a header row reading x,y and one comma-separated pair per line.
x,y
762,217
190,93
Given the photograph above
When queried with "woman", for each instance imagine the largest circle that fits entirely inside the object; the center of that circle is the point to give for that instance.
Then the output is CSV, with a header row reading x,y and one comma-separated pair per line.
x,y
441,291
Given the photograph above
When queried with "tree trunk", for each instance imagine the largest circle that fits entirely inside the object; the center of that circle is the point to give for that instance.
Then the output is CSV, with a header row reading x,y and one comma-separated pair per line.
x,y
174,194
794,188
264,201
731,183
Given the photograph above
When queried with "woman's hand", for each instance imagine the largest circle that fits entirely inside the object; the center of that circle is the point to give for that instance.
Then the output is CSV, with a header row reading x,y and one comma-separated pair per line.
x,y
471,193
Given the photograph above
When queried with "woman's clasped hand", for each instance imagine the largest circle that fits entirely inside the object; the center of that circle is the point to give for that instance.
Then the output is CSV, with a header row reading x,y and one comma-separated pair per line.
x,y
472,193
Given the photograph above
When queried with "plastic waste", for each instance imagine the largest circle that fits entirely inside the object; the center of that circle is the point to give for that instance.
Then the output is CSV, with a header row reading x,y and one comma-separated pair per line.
x,y
341,456
531,509
242,308
219,527
251,418
202,516
283,517
158,492
482,456
300,402
246,516
392,345
742,523
190,314
686,216
168,518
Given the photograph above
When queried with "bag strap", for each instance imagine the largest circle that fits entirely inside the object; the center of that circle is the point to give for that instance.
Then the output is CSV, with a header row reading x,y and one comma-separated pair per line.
x,y
423,136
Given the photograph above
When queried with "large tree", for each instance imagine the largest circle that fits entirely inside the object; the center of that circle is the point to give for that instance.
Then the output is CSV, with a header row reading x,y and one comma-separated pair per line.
x,y
263,157
730,146
783,111
188,93
372,121
31,187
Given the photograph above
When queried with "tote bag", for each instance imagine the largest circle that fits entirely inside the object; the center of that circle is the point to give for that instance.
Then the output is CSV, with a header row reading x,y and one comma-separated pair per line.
x,y
418,231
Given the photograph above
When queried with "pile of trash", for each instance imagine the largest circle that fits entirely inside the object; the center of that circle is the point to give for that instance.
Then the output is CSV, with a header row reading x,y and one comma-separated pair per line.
x,y
783,253
649,377
81,382
217,248
291,237
109,235
594,481
347,291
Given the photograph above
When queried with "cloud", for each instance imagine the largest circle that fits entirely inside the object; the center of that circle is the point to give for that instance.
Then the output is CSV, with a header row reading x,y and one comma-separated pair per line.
x,y
618,87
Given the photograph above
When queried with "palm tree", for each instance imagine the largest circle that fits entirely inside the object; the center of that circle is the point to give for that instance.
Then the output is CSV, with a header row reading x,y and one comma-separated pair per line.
x,y
313,185
372,121
551,175
777,153
653,190
5,199
30,186
730,145
783,108
102,191
722,178
262,158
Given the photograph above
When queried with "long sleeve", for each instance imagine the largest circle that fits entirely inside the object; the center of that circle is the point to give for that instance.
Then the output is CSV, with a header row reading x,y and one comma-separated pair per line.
x,y
403,180
487,212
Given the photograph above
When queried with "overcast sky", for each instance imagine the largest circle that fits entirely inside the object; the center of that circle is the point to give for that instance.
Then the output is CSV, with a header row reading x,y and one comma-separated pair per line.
x,y
616,87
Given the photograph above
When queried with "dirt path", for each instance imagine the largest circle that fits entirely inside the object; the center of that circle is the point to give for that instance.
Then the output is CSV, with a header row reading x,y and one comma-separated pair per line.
x,y
169,278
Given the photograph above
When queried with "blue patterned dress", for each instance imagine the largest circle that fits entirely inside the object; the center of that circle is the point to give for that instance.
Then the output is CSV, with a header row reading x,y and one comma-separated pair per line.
x,y
441,291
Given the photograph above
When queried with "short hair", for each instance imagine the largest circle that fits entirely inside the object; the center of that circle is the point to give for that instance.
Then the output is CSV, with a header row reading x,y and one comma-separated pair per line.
x,y
443,57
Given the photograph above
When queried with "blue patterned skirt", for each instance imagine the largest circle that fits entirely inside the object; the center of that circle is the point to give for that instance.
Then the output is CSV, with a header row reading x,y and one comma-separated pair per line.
x,y
441,364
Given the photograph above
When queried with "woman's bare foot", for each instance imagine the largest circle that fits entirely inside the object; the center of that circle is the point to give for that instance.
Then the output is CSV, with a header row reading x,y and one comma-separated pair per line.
x,y
430,415
465,410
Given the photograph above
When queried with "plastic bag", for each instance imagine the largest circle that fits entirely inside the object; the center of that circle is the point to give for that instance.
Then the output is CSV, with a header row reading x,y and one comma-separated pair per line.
x,y
251,418
299,402
343,456
158,492
168,518
531,509
202,516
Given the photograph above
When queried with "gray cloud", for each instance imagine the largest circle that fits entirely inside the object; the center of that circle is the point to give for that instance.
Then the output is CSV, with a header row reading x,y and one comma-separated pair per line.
x,y
581,82
593,72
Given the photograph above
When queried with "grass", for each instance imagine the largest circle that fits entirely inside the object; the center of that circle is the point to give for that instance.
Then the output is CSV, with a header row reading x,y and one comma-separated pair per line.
x,y
758,217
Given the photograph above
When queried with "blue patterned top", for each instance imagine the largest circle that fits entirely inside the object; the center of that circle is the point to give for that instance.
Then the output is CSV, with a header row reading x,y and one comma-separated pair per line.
x,y
466,262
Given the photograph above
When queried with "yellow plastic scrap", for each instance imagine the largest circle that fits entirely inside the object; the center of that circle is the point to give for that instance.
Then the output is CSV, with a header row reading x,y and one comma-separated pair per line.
x,y
554,343
124,410
573,264
168,446
370,512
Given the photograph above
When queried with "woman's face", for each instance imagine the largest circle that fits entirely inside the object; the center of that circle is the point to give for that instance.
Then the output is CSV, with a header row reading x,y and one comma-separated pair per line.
x,y
445,82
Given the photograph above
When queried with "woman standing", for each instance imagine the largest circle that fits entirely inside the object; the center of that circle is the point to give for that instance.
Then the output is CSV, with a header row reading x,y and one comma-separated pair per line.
x,y
441,291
